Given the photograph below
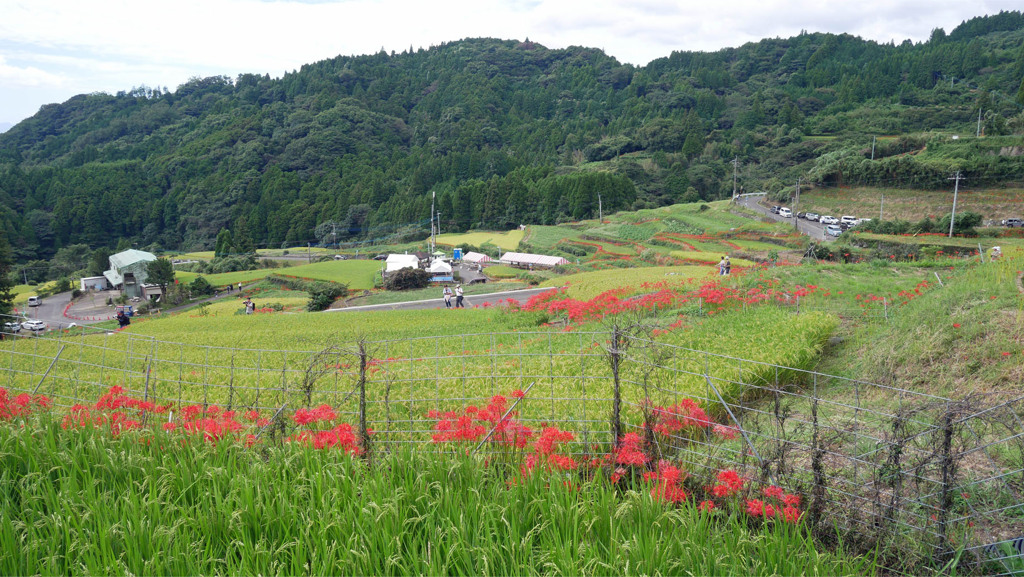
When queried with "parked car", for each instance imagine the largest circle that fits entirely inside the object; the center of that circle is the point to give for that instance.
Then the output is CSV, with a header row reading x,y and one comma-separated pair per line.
x,y
34,301
848,220
381,257
801,214
828,220
1012,222
863,220
812,216
775,209
34,325
833,230
12,327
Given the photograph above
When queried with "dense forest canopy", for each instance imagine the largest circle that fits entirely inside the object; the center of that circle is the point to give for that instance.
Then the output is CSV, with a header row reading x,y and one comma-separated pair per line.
x,y
505,132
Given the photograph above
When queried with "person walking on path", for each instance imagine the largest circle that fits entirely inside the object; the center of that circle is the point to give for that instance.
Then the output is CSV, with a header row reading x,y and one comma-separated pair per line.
x,y
239,286
458,297
721,267
447,294
728,266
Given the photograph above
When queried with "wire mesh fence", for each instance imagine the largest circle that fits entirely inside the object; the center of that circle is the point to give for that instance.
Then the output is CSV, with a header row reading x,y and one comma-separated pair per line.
x,y
883,464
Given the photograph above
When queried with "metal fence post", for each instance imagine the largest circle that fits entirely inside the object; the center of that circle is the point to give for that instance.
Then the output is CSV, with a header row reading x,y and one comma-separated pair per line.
x,y
616,359
364,435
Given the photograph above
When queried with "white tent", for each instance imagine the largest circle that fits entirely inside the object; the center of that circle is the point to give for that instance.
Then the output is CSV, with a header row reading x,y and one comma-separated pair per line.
x,y
439,267
526,259
400,261
476,257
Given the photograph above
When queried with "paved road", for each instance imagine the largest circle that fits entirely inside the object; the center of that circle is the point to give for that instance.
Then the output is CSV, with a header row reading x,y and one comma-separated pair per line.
x,y
814,230
470,301
51,311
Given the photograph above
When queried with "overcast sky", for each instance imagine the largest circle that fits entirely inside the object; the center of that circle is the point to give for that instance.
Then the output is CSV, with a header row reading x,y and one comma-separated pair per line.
x,y
51,50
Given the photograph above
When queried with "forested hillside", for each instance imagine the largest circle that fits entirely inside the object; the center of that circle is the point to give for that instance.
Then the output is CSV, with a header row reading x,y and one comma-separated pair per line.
x,y
505,132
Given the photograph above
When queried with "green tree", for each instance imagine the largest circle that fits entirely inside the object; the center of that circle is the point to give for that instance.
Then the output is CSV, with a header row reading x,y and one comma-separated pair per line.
x,y
6,282
160,272
225,246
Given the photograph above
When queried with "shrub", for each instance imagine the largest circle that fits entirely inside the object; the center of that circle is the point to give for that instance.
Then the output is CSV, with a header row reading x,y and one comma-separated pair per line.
x,y
407,278
200,286
323,294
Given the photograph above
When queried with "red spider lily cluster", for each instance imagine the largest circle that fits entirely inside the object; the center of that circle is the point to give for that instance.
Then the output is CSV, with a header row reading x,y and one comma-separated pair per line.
x,y
21,405
684,416
474,422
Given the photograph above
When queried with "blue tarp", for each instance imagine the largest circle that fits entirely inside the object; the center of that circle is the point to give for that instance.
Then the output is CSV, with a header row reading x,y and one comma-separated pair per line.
x,y
442,279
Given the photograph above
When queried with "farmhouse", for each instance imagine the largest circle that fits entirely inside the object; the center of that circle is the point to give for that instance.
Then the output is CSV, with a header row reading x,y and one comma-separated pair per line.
x,y
128,272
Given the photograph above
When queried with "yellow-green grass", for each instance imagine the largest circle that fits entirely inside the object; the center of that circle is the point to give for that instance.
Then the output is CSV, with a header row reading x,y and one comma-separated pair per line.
x,y
430,358
501,271
913,205
709,257
942,240
756,245
23,291
358,274
546,237
508,241
587,285
198,255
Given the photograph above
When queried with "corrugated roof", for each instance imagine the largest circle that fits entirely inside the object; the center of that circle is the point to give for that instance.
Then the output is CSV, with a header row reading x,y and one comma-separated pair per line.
x,y
129,257
527,258
476,257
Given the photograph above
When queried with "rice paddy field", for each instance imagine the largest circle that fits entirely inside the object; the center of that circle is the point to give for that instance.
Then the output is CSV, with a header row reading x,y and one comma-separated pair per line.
x,y
210,441
507,241
357,274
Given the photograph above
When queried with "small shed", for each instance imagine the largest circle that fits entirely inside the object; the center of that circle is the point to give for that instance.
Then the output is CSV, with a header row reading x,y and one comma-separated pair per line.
x,y
476,257
400,261
96,283
523,259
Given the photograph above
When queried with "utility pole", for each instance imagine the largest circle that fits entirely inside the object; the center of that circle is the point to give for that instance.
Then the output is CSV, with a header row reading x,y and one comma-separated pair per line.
x,y
433,194
796,202
439,223
600,212
956,188
978,133
872,148
735,165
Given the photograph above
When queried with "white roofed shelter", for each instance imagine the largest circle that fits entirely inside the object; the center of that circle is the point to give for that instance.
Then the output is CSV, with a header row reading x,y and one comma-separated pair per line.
x,y
476,257
522,259
439,267
400,261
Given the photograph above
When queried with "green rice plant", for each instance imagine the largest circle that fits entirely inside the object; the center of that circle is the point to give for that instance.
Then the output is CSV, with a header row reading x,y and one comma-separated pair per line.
x,y
78,502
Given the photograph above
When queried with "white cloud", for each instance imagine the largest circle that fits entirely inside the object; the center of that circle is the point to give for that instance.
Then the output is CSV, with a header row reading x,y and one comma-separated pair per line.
x,y
110,45
26,76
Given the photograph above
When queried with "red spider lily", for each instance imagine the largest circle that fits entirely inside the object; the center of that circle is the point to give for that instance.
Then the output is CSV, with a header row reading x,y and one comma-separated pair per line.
x,y
706,506
773,492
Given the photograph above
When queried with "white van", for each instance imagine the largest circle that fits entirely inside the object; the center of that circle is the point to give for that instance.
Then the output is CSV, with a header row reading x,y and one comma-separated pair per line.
x,y
785,212
848,220
34,301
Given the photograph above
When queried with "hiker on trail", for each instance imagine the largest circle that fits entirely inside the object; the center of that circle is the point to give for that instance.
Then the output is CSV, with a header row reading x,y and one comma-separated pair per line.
x,y
721,267
728,266
447,294
239,286
458,297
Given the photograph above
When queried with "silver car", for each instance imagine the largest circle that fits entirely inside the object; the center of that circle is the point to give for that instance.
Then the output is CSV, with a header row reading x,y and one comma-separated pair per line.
x,y
833,230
